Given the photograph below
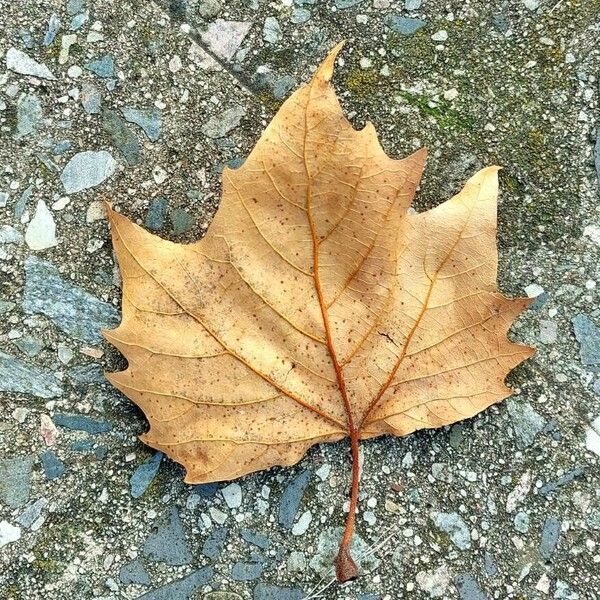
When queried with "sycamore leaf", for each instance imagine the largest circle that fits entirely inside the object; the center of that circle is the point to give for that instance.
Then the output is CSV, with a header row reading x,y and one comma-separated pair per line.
x,y
315,307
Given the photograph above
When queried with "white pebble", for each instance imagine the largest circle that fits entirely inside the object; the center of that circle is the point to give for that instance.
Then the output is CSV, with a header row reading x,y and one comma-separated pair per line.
x,y
218,516
232,494
534,290
41,231
8,533
302,524
75,71
451,94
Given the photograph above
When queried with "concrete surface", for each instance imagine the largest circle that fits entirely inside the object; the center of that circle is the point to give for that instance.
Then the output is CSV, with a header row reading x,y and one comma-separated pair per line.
x,y
159,96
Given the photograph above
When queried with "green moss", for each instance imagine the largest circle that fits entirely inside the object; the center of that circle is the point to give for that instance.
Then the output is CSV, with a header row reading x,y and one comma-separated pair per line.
x,y
362,83
13,593
407,54
442,111
511,184
48,565
53,50
147,34
269,102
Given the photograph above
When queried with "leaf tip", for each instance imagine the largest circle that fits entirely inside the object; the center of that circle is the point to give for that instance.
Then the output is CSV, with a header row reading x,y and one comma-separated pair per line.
x,y
325,70
108,208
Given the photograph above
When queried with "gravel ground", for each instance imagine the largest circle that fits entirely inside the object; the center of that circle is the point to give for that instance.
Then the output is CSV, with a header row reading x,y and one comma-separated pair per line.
x,y
143,103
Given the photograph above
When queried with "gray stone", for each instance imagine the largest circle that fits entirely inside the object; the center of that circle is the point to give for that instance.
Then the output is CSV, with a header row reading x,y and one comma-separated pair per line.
x,y
257,539
72,309
32,513
232,494
29,345
435,583
27,39
78,20
17,376
588,336
155,217
593,519
327,549
149,120
91,98
30,117
87,169
564,591
213,545
221,124
41,230
19,62
167,544
404,25
61,147
181,589
454,526
264,591
3,195
548,332
296,562
343,4
15,479
53,28
565,479
9,235
181,220
489,565
272,30
134,572
206,490
223,38
300,15
244,571
527,423
521,522
500,22
144,475
550,536
81,423
291,499
74,7
21,203
122,136
6,306
85,375
412,4
283,85
468,588
209,8
103,66
48,163
52,465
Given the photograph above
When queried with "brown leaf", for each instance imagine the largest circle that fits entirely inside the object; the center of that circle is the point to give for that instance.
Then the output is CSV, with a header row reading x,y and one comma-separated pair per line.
x,y
315,307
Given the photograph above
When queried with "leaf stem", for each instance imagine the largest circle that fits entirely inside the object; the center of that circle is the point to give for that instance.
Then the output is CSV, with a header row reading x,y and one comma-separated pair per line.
x,y
345,567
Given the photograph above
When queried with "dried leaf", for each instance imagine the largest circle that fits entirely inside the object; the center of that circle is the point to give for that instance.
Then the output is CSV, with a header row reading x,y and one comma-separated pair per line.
x,y
315,308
